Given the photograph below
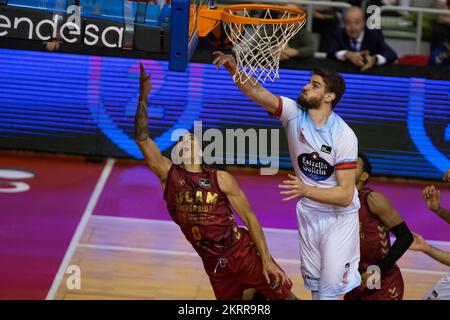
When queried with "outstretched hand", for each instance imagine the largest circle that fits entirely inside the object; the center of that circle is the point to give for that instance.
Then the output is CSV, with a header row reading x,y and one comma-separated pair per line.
x,y
432,197
226,60
141,116
297,189
145,84
419,244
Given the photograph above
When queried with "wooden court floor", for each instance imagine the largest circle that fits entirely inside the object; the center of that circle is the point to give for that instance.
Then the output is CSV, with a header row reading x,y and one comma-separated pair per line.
x,y
126,258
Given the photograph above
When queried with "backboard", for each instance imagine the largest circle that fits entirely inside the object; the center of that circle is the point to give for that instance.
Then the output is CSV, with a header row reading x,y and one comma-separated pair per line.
x,y
183,32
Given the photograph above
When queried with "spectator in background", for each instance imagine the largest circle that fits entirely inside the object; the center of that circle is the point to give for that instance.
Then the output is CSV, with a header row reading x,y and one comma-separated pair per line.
x,y
441,55
301,45
440,29
365,3
325,20
359,45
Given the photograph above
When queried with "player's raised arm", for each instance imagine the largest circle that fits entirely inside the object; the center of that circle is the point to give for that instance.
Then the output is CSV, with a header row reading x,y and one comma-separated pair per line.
x,y
159,164
240,204
382,208
256,92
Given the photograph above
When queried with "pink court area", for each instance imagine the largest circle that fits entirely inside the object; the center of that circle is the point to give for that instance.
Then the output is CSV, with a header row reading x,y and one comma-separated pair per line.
x,y
37,225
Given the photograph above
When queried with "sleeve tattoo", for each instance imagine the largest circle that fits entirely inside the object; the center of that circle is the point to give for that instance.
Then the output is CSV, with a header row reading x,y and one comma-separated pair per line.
x,y
141,121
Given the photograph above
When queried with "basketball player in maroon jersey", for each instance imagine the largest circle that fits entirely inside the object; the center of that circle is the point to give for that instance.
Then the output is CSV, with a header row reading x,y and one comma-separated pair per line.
x,y
199,199
377,216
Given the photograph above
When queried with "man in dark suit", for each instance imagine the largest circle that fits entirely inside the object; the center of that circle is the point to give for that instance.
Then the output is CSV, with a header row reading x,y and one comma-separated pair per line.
x,y
359,45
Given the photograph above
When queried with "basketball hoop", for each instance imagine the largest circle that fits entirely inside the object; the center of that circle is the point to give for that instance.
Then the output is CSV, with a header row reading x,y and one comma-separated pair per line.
x,y
259,33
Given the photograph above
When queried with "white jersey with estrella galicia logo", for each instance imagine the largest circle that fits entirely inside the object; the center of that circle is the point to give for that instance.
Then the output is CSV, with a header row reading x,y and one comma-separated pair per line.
x,y
328,235
316,153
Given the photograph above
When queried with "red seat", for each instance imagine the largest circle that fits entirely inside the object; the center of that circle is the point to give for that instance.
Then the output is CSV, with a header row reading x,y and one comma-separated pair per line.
x,y
415,59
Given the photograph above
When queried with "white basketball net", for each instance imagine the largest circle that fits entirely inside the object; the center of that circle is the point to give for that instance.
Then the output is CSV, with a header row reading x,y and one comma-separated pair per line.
x,y
258,47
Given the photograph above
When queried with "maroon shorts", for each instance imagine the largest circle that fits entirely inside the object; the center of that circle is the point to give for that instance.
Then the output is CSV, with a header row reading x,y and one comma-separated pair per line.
x,y
391,288
242,269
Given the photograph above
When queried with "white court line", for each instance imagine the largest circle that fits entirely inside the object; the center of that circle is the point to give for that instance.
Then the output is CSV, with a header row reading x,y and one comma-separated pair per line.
x,y
439,273
170,222
139,250
193,254
80,228
274,230
158,251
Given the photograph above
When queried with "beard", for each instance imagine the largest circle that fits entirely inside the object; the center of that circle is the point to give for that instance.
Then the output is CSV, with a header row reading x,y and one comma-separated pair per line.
x,y
312,103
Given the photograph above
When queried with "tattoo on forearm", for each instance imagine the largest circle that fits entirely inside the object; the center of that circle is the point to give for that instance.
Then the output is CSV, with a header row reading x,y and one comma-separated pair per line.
x,y
141,121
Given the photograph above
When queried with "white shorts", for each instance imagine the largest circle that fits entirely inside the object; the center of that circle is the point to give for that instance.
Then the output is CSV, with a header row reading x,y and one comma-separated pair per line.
x,y
329,251
440,291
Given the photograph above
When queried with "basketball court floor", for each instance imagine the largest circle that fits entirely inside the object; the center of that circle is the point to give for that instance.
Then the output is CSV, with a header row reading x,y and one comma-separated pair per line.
x,y
109,219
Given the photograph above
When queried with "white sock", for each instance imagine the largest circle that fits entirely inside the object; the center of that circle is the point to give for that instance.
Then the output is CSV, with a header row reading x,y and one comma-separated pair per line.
x,y
315,295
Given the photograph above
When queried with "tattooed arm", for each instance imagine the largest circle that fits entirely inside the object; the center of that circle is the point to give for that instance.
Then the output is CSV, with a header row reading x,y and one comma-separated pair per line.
x,y
159,164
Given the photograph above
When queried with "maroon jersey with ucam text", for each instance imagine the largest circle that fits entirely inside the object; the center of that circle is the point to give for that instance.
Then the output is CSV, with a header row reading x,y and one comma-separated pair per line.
x,y
196,203
374,236
375,245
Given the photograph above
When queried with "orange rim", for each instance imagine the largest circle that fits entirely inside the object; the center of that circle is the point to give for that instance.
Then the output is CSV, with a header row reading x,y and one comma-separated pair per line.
x,y
222,14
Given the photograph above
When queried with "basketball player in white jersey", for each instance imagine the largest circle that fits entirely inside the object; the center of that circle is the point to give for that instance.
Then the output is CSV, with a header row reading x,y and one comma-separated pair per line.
x,y
323,152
